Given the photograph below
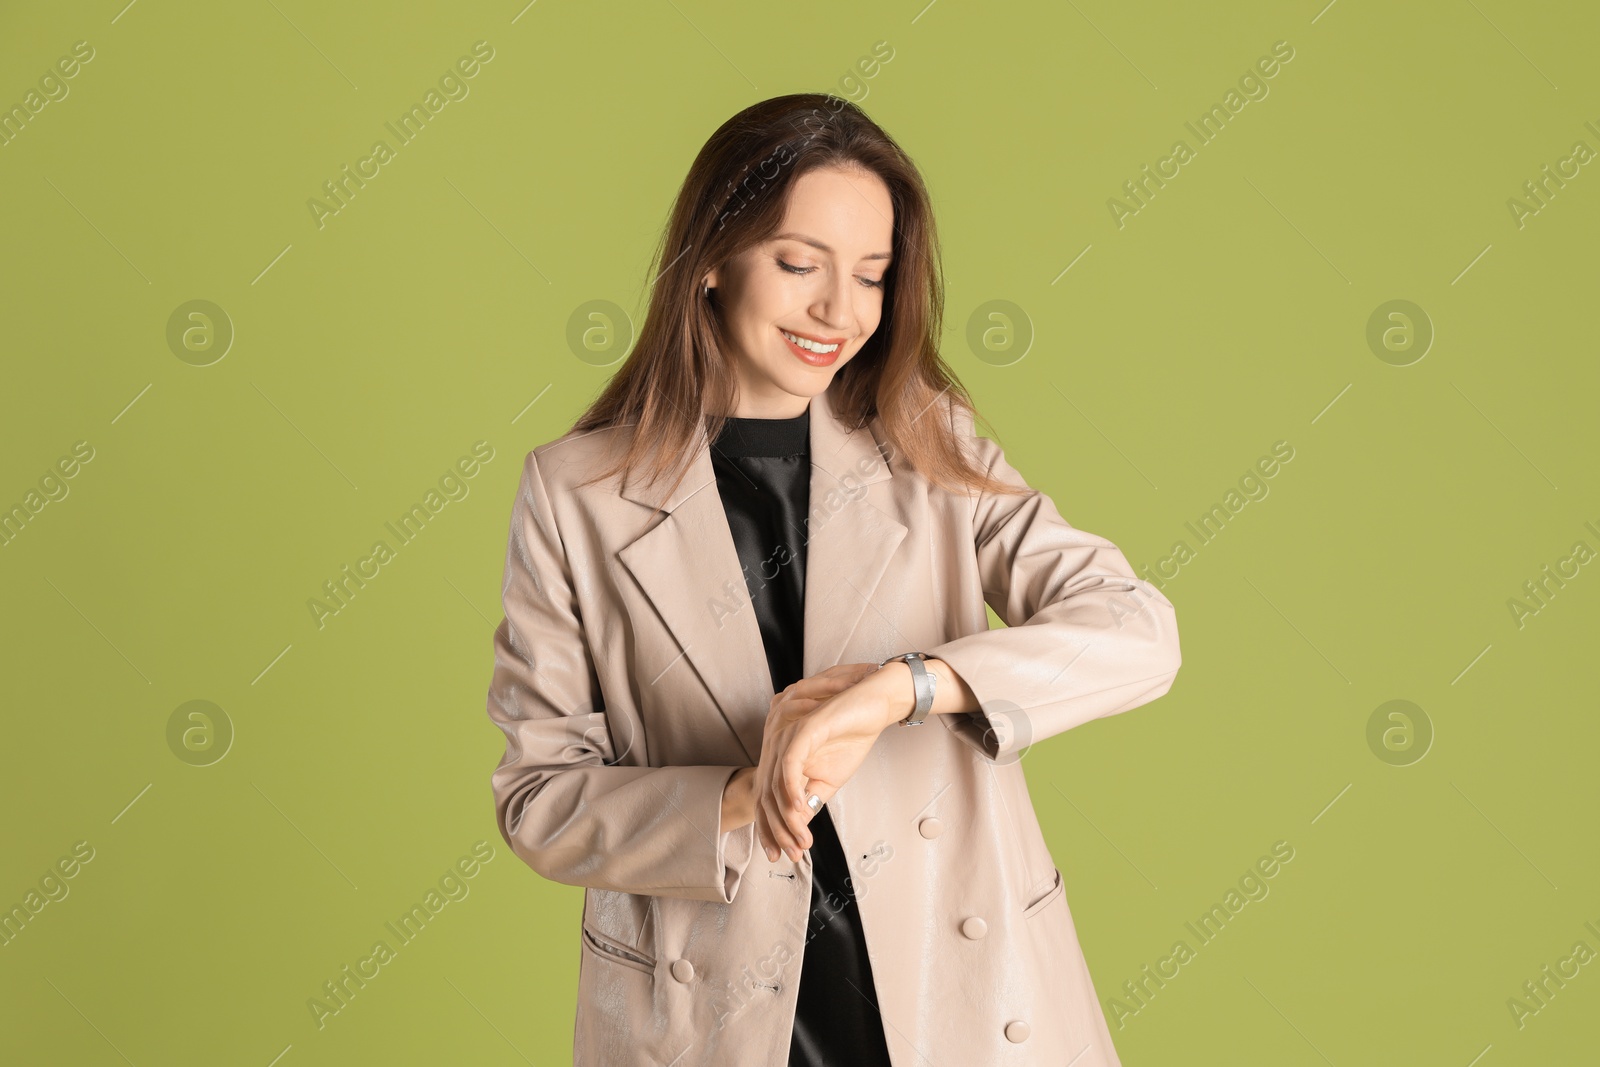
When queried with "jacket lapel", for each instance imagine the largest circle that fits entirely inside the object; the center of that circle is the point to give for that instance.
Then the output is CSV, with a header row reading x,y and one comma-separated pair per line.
x,y
688,567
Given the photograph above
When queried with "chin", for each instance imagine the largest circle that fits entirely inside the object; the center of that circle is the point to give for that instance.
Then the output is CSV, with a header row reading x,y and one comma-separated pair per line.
x,y
797,381
813,385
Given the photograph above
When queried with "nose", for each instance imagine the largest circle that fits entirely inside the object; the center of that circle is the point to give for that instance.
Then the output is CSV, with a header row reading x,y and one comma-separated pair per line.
x,y
835,305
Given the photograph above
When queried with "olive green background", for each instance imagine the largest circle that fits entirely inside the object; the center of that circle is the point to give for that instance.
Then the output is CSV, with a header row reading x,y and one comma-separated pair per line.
x,y
346,768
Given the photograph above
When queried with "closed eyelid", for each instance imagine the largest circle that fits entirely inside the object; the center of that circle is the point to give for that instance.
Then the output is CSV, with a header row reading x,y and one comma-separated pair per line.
x,y
799,269
811,242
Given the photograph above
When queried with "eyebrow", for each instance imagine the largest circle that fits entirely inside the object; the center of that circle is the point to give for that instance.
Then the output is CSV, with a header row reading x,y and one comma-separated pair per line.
x,y
814,243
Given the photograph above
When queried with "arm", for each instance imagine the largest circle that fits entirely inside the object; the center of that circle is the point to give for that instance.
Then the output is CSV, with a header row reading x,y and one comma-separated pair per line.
x,y
738,800
1084,637
559,803
951,693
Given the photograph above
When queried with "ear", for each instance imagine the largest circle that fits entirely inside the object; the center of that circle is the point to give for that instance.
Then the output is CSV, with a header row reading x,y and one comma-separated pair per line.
x,y
710,279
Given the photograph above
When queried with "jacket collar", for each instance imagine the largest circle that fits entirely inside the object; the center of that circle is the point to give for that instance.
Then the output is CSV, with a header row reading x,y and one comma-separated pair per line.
x,y
689,569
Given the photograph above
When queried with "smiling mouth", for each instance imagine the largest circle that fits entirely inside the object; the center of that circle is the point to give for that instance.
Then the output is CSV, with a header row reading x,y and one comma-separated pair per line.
x,y
812,351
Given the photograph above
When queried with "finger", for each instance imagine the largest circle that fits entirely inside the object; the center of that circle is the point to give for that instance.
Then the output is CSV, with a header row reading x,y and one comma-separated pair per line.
x,y
843,677
856,671
802,819
780,833
810,692
852,673
795,788
837,668
807,814
765,836
770,841
764,813
777,829
758,786
843,674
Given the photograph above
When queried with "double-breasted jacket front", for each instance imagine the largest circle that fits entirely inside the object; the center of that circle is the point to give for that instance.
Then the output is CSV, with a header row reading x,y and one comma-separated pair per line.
x,y
630,682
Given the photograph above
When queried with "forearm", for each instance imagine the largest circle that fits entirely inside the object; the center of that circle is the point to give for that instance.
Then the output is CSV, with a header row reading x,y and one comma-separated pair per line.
x,y
647,830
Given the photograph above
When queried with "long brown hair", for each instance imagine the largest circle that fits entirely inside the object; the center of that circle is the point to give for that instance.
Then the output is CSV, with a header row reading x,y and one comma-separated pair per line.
x,y
733,198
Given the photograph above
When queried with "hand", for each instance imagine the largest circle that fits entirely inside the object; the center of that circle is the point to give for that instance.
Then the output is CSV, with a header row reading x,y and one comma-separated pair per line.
x,y
817,734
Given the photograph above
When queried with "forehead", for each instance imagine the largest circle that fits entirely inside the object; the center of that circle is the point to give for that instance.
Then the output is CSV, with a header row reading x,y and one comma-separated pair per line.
x,y
848,210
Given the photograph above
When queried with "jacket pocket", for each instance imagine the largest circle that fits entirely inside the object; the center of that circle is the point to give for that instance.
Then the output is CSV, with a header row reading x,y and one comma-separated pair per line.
x,y
609,948
1055,891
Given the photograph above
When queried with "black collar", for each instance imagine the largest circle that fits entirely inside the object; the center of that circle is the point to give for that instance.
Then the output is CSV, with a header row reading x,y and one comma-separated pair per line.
x,y
765,437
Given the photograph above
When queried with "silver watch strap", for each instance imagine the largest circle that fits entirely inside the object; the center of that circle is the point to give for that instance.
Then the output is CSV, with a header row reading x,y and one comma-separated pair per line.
x,y
923,682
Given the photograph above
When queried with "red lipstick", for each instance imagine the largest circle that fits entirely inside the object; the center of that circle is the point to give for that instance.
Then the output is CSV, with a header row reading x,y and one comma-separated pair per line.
x,y
815,359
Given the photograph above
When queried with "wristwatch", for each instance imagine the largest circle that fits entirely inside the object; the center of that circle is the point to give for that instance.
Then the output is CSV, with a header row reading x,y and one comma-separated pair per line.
x,y
923,680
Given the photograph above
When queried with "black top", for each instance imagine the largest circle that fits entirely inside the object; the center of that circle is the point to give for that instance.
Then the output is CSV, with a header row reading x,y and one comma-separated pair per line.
x,y
764,477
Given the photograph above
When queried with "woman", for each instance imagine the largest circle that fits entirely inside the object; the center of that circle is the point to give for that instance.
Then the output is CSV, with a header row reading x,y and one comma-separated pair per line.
x,y
797,848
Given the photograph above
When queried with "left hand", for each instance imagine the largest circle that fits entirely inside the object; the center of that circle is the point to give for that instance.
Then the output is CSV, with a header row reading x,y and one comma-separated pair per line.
x,y
816,751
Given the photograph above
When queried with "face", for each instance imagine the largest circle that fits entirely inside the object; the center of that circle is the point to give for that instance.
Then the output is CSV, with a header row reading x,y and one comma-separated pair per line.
x,y
819,281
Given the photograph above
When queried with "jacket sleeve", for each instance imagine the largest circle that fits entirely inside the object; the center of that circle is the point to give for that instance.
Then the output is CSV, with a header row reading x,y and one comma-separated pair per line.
x,y
1084,638
562,802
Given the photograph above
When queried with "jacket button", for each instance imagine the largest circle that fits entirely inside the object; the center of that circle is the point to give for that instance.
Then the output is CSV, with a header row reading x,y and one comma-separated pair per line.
x,y
683,970
974,927
930,827
1017,1031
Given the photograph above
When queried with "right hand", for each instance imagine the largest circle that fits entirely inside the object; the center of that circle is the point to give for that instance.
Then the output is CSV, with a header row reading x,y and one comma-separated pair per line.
x,y
788,708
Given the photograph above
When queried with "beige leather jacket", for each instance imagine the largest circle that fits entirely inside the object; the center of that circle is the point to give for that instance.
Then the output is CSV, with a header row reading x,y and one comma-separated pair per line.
x,y
630,682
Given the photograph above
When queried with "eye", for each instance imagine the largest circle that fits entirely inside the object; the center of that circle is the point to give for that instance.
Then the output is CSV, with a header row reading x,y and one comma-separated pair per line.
x,y
792,269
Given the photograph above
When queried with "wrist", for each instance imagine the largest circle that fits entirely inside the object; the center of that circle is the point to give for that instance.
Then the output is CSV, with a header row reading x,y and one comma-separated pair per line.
x,y
893,685
738,800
